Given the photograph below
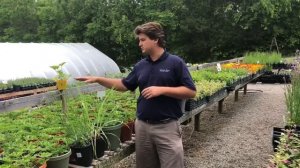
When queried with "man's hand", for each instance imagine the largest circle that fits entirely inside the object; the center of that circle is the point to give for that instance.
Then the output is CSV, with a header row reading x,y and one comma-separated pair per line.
x,y
111,83
152,91
87,79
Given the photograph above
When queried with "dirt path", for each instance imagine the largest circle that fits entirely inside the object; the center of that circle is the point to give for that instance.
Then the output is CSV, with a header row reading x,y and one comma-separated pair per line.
x,y
241,136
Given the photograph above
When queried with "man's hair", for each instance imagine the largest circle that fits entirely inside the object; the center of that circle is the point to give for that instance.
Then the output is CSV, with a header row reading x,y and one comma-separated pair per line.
x,y
154,31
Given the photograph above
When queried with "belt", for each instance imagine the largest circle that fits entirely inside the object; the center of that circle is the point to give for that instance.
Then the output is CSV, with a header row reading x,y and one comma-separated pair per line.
x,y
164,121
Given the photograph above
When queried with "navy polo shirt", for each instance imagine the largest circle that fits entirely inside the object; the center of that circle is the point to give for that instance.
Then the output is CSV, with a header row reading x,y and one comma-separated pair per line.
x,y
169,70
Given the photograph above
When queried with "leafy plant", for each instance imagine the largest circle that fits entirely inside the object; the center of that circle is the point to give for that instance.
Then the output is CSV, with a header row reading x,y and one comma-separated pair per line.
x,y
28,136
60,74
5,86
33,82
207,88
288,151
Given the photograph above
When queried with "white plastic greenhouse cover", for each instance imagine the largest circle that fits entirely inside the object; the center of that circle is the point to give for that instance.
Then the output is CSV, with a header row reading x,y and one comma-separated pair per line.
x,y
18,60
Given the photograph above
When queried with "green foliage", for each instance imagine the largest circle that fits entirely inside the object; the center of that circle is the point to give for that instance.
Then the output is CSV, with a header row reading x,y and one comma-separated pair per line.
x,y
262,58
227,76
5,86
30,81
18,20
35,135
196,30
292,99
288,151
60,73
207,88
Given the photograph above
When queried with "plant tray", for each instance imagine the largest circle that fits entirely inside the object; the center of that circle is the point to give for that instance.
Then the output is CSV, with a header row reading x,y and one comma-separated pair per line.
x,y
192,104
233,85
11,95
216,95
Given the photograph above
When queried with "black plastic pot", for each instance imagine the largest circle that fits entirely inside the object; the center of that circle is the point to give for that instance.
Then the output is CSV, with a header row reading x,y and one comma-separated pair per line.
x,y
16,88
232,86
294,128
82,156
192,104
215,95
278,131
101,146
276,137
279,66
275,78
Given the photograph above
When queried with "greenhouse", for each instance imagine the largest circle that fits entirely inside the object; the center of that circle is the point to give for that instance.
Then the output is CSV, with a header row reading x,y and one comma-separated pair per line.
x,y
149,84
19,60
101,129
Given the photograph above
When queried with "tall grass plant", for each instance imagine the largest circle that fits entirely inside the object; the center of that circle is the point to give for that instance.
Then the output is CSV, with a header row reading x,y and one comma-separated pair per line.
x,y
292,97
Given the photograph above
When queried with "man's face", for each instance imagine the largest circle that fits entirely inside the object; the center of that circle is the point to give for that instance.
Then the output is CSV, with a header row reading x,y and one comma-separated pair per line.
x,y
146,44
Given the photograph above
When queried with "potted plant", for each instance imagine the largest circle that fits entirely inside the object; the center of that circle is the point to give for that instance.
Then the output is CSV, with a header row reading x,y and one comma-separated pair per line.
x,y
287,153
292,97
61,77
109,118
79,128
125,104
61,159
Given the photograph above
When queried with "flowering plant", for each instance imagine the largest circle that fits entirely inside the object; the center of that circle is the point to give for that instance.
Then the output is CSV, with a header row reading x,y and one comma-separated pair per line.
x,y
288,151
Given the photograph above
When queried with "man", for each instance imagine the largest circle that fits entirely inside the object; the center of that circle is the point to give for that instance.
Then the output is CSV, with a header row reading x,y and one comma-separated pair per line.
x,y
163,80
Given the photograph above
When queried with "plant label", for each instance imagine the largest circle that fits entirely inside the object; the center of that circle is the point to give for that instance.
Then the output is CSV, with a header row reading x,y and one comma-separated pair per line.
x,y
79,155
219,67
100,94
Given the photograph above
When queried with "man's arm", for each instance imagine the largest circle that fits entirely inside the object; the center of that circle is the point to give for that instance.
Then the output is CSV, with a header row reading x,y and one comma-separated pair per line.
x,y
180,92
111,83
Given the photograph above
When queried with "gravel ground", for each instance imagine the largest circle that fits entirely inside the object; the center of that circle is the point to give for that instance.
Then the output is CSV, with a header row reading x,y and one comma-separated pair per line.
x,y
240,137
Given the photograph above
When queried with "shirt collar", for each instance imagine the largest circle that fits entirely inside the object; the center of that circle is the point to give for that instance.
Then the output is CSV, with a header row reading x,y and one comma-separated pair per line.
x,y
161,58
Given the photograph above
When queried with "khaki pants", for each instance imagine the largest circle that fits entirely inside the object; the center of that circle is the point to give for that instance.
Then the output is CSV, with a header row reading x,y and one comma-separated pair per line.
x,y
158,145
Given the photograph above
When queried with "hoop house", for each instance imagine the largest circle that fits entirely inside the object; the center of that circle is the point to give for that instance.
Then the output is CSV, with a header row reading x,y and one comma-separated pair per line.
x,y
20,60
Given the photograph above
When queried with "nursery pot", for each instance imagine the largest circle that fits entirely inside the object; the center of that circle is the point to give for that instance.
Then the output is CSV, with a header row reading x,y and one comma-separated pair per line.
x,y
276,137
126,131
17,88
295,128
43,165
61,161
61,84
1,156
81,155
101,146
112,136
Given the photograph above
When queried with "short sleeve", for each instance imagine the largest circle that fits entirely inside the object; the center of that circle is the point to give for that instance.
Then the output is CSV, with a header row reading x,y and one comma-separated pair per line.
x,y
131,82
185,77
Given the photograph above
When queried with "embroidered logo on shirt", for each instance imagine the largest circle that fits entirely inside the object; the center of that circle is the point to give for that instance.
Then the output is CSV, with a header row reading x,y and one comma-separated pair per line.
x,y
164,70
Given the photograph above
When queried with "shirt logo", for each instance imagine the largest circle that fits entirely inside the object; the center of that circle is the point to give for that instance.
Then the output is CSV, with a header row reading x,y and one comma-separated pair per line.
x,y
164,70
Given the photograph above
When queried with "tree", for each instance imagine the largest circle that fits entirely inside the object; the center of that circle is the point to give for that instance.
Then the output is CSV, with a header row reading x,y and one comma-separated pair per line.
x,y
18,20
